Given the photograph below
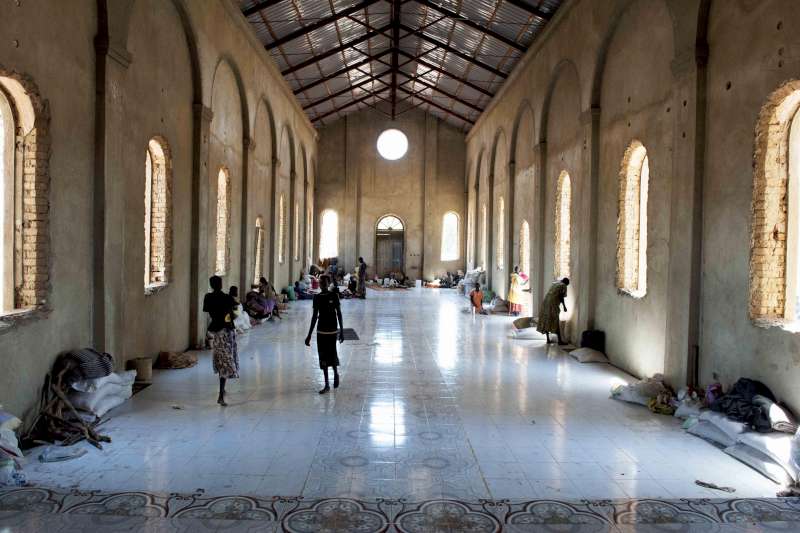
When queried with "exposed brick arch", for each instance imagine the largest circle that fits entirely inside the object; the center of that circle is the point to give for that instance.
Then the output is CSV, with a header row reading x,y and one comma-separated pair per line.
x,y
634,178
769,253
28,258
158,214
563,241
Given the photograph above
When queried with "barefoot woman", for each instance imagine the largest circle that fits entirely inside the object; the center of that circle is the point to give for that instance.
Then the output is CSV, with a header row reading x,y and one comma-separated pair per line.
x,y
329,313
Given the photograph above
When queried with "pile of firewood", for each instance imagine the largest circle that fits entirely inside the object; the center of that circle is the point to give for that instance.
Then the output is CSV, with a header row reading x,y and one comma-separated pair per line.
x,y
58,420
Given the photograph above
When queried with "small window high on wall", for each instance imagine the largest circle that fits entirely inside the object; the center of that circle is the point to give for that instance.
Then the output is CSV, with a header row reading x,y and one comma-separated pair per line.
x,y
775,240
258,267
501,234
329,235
525,248
561,264
223,221
281,230
634,182
158,215
450,243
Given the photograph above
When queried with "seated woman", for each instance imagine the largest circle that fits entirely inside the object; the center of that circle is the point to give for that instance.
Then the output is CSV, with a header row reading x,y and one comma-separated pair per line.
x,y
256,305
301,293
268,291
241,320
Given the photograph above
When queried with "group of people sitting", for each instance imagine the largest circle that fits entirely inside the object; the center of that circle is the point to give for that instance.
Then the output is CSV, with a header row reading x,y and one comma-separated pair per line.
x,y
260,304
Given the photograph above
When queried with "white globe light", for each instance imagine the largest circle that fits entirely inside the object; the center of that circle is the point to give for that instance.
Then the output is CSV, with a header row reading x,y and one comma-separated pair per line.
x,y
392,144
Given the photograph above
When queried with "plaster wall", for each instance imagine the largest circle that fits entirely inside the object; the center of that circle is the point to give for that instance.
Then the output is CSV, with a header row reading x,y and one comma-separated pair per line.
x,y
419,188
192,72
742,74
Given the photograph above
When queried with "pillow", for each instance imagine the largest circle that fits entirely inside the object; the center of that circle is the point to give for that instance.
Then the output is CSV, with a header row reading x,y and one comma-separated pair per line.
x,y
731,428
759,462
588,355
708,431
777,446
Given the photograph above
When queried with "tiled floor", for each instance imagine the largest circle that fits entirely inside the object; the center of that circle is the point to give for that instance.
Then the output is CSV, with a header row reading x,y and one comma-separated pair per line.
x,y
434,403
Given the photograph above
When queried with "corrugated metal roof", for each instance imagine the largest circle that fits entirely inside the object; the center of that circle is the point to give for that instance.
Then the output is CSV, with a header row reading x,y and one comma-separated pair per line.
x,y
450,57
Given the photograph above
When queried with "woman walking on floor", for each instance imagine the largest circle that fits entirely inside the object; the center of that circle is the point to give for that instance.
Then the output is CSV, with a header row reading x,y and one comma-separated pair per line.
x,y
329,313
220,307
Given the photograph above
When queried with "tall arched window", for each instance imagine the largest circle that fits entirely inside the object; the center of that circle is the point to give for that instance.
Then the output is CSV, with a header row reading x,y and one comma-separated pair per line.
x,y
634,181
484,237
297,231
525,248
24,196
561,264
258,267
329,235
281,230
223,220
470,236
450,242
501,234
309,234
158,214
774,254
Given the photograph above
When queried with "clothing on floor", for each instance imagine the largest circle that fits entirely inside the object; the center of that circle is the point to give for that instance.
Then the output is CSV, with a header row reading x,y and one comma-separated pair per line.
x,y
549,311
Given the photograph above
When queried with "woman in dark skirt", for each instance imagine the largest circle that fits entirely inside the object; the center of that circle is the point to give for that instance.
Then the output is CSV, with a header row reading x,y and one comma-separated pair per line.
x,y
329,313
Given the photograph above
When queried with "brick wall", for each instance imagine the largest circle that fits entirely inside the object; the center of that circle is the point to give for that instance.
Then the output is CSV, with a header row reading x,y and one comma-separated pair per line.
x,y
629,218
769,206
223,221
160,213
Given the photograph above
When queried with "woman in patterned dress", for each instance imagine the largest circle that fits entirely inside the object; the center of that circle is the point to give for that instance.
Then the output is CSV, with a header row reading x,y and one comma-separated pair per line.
x,y
549,310
220,308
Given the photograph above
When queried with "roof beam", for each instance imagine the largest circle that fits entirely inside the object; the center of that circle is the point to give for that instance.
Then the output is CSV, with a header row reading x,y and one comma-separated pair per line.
x,y
258,6
474,25
438,106
395,47
334,51
444,46
345,70
345,90
321,23
367,96
448,74
418,79
530,9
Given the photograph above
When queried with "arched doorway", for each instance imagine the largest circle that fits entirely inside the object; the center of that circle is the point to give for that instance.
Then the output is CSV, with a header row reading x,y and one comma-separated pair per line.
x,y
389,246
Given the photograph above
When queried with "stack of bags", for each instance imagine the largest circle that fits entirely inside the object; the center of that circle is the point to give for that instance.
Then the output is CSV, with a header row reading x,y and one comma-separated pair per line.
x,y
10,455
748,424
99,395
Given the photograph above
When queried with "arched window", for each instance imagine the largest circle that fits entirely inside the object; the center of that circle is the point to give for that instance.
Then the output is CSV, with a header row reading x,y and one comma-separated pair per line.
x,y
450,243
24,196
390,223
329,235
774,254
258,267
223,220
309,234
470,236
561,264
484,236
501,234
634,181
157,214
525,248
297,231
281,230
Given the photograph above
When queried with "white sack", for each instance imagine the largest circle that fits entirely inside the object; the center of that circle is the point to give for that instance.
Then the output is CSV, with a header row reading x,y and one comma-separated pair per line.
x,y
588,355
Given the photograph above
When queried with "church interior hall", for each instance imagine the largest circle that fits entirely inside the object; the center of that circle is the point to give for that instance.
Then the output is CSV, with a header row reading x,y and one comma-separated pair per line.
x,y
563,237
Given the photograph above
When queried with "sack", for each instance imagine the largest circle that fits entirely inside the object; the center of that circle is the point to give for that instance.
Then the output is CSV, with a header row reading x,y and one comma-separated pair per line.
x,y
93,401
9,421
588,355
93,385
595,339
731,428
777,446
176,359
759,462
708,431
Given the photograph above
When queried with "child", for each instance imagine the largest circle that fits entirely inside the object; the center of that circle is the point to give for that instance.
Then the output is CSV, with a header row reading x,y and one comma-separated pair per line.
x,y
329,312
476,297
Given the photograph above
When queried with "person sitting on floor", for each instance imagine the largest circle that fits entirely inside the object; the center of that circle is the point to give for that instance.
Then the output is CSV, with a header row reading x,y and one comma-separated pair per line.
x,y
241,320
256,305
476,297
268,291
301,293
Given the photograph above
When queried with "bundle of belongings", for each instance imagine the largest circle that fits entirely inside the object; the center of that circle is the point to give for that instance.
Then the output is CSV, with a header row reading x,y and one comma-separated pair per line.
x,y
497,304
174,360
751,427
650,392
80,379
11,457
471,278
